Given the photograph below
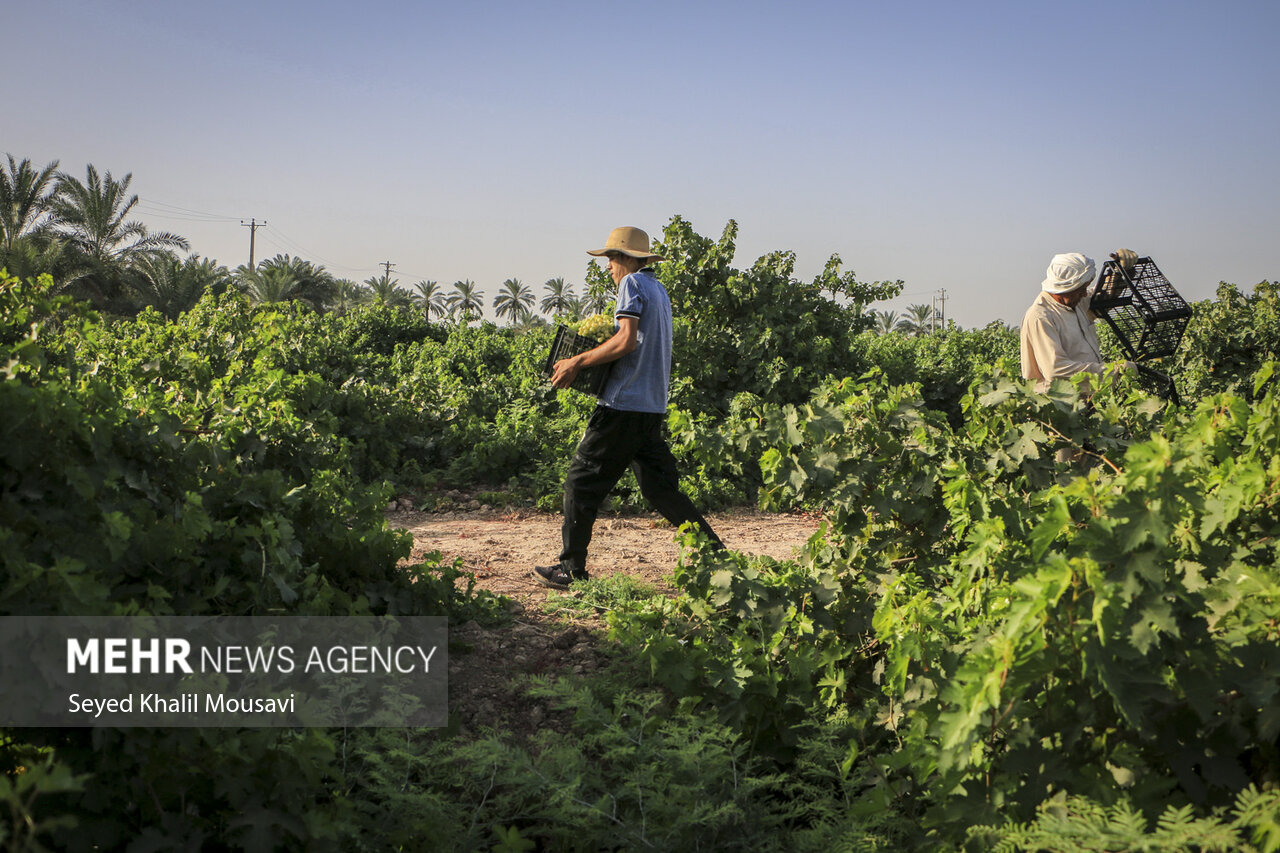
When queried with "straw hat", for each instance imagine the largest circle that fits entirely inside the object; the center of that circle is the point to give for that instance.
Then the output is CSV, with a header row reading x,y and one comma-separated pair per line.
x,y
1068,272
628,241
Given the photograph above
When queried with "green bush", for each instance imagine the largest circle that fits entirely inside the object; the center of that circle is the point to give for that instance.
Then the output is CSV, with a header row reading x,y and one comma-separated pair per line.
x,y
1005,625
758,331
151,469
1227,342
943,364
985,647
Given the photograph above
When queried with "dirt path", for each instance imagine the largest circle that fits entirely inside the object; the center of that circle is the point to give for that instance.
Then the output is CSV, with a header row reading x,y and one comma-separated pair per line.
x,y
486,665
503,548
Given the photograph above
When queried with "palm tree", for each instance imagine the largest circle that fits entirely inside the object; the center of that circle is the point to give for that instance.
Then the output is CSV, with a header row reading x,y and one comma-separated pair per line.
x,y
173,286
346,295
269,284
559,297
430,298
385,290
466,302
527,320
578,307
315,284
31,255
28,246
918,320
886,321
92,217
512,299
26,196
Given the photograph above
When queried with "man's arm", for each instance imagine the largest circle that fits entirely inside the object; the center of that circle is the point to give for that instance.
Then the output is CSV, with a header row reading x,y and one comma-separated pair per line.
x,y
623,341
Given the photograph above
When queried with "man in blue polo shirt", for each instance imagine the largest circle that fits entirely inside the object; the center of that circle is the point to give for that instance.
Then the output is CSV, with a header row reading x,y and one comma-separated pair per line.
x,y
626,427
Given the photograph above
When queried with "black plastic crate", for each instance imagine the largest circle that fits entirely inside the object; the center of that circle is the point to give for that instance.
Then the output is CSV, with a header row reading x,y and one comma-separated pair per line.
x,y
1142,308
590,380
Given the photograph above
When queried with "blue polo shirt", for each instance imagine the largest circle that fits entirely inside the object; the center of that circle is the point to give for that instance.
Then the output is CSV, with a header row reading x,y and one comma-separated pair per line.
x,y
640,379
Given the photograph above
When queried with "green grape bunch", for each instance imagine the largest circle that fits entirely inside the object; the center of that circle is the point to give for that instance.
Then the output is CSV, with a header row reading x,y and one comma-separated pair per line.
x,y
598,327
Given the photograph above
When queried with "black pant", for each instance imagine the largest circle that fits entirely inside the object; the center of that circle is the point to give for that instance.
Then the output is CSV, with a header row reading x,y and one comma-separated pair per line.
x,y
613,441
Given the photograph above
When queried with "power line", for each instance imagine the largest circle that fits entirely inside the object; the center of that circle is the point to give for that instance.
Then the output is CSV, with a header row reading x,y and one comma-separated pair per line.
x,y
298,247
166,210
181,217
278,238
296,251
415,276
178,209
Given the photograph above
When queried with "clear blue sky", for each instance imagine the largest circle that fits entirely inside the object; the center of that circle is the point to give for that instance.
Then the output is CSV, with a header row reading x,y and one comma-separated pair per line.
x,y
951,145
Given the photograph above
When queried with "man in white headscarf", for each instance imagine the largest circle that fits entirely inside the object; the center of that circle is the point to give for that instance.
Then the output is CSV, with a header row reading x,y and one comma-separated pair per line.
x,y
1058,335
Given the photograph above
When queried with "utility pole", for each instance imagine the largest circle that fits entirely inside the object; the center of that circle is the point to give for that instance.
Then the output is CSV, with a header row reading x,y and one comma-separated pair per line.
x,y
253,225
942,300
387,265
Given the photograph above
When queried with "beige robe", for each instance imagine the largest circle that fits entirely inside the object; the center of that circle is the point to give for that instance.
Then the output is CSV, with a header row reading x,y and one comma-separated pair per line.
x,y
1058,342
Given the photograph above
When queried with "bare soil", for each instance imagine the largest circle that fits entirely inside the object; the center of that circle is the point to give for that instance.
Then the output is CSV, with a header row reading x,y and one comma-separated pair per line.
x,y
488,667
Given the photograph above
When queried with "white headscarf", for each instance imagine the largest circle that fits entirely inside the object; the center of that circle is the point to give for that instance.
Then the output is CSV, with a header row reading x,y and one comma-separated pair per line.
x,y
1067,273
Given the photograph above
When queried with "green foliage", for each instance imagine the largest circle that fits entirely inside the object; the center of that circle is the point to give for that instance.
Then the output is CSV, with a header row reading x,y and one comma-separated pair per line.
x,y
720,453
602,594
751,640
1076,825
943,364
38,779
171,286
269,381
499,420
1227,341
745,338
758,331
378,330
623,771
511,841
187,468
1007,624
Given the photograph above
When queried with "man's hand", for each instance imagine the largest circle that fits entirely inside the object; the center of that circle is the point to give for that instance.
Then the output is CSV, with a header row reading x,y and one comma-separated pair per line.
x,y
1126,258
1121,367
564,371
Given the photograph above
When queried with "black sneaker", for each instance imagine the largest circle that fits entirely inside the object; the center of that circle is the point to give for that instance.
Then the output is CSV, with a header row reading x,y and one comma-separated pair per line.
x,y
556,576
